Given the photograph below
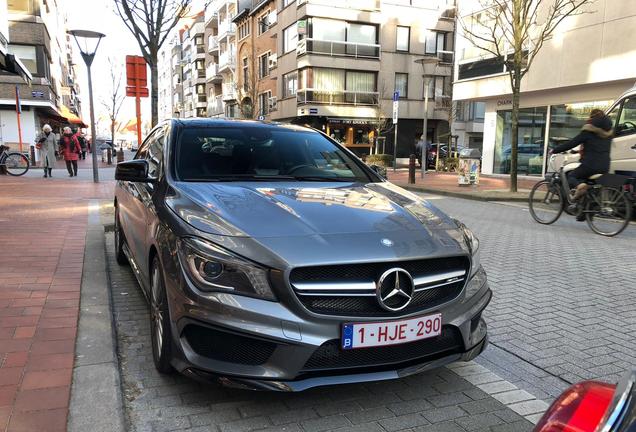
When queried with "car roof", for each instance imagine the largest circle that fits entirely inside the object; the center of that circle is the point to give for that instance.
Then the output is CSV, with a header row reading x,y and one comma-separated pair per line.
x,y
225,122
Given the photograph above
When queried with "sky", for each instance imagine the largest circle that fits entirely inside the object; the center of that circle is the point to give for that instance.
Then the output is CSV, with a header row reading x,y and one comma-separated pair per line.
x,y
100,15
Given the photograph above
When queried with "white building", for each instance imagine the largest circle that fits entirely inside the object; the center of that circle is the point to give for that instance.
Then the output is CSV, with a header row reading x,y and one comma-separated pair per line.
x,y
588,63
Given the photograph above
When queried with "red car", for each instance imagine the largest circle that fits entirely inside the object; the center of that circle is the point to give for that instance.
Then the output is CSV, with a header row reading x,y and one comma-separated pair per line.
x,y
593,406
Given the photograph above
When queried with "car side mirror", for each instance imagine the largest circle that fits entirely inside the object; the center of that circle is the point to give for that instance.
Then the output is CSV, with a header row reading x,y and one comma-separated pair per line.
x,y
133,171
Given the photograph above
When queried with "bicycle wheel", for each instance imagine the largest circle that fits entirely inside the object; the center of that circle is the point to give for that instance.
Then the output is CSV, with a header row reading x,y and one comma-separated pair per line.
x,y
608,211
546,202
17,164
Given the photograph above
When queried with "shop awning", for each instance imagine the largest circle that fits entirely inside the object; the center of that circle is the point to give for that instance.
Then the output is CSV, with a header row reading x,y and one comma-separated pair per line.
x,y
72,117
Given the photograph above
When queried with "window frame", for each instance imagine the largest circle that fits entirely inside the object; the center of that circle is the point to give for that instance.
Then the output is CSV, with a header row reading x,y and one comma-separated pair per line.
x,y
406,84
408,38
262,23
286,49
263,67
263,108
285,86
624,132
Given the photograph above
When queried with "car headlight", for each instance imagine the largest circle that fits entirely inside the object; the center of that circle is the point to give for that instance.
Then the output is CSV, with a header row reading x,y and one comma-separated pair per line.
x,y
213,269
472,244
476,282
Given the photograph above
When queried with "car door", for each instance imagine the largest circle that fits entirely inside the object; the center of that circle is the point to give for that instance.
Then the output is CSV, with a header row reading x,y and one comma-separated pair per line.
x,y
623,151
138,198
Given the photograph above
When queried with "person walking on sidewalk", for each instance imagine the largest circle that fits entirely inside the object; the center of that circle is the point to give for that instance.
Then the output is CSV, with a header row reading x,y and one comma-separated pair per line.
x,y
82,142
46,147
71,149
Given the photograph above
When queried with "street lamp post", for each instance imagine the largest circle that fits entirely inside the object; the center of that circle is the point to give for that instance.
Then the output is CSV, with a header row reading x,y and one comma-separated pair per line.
x,y
90,42
429,67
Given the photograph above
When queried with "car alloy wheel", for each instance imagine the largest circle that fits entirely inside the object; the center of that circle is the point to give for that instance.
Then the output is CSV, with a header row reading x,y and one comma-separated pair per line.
x,y
159,320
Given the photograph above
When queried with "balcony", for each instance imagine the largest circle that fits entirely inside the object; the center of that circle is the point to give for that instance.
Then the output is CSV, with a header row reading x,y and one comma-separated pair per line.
x,y
226,28
364,5
200,51
229,92
212,73
199,76
201,101
338,48
211,15
226,60
213,43
443,102
215,106
343,97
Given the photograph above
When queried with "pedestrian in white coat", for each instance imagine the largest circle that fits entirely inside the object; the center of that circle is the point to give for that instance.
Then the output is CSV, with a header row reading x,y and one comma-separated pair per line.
x,y
47,144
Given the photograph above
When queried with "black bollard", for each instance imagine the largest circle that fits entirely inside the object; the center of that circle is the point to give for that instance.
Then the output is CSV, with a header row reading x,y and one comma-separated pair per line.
x,y
109,156
412,169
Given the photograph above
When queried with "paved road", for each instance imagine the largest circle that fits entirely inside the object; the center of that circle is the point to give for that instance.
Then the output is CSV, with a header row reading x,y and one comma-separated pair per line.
x,y
563,301
562,312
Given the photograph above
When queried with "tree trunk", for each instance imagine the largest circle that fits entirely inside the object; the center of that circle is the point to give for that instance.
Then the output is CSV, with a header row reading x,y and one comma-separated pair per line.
x,y
514,141
112,132
154,93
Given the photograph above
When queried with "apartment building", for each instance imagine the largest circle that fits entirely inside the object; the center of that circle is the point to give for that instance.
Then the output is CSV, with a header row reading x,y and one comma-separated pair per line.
x,y
256,59
587,64
37,37
338,64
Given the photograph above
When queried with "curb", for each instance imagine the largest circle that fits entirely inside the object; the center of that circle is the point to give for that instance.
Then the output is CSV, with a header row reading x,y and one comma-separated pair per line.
x,y
96,401
459,194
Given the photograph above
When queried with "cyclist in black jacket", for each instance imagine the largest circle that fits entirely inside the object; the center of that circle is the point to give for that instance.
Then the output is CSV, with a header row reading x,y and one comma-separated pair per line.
x,y
595,139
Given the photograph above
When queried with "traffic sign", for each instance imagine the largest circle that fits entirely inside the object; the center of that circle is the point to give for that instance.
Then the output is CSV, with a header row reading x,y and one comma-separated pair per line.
x,y
136,71
134,91
261,117
396,96
395,111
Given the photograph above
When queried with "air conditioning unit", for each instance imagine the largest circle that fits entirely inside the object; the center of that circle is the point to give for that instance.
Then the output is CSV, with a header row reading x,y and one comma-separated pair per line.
x,y
273,61
445,56
273,103
271,18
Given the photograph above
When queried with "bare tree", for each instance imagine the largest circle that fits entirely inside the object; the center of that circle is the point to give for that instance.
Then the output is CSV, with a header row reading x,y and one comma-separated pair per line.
x,y
246,83
116,97
381,122
150,22
514,31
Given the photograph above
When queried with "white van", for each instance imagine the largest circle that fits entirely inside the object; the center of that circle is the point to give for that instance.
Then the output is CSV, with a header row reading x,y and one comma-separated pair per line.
x,y
623,115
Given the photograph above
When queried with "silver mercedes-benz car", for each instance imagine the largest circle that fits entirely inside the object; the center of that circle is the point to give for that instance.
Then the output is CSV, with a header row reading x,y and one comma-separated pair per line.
x,y
273,258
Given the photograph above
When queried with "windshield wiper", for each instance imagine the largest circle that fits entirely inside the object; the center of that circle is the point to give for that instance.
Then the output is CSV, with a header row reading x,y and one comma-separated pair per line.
x,y
325,179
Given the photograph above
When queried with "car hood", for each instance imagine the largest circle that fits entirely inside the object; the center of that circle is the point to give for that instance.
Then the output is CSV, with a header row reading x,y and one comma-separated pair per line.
x,y
280,210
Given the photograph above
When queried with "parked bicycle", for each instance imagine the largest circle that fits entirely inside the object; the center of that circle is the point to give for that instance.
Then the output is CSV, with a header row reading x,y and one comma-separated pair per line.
x,y
607,205
15,163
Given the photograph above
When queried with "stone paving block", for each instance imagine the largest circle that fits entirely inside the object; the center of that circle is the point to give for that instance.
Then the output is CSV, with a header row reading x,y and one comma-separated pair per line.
x,y
370,415
444,414
529,407
513,396
245,425
403,422
440,427
325,423
497,387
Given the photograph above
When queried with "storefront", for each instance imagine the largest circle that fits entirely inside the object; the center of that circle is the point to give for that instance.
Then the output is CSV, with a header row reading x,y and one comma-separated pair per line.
x,y
356,134
545,120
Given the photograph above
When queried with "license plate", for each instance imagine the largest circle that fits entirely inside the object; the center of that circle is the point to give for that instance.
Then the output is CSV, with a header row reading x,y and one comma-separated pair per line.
x,y
365,335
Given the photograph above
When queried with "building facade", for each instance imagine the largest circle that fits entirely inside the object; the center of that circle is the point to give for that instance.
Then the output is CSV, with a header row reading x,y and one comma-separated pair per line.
x,y
37,37
587,64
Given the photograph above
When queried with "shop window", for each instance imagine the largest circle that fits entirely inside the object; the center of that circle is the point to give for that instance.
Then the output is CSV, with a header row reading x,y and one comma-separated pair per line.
x,y
531,134
567,120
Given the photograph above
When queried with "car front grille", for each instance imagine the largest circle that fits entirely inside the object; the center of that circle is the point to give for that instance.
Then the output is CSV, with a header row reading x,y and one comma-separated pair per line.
x,y
349,290
330,356
228,347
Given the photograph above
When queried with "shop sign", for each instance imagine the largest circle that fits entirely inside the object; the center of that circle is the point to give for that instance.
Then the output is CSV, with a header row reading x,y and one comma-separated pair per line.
x,y
350,121
37,94
302,27
504,102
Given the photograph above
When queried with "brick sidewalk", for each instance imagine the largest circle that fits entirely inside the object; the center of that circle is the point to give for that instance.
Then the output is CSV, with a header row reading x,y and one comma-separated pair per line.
x,y
489,186
43,233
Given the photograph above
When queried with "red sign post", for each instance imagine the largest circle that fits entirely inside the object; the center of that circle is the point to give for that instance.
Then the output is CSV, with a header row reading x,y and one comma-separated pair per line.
x,y
136,85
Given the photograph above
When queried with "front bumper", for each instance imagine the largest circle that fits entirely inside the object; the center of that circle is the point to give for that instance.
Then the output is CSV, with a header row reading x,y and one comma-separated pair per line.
x,y
257,344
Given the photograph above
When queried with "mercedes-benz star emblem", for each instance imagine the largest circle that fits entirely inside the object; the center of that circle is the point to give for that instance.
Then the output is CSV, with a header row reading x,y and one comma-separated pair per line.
x,y
395,289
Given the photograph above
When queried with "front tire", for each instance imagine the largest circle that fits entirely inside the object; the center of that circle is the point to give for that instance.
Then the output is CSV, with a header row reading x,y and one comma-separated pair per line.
x,y
120,255
160,333
545,202
17,164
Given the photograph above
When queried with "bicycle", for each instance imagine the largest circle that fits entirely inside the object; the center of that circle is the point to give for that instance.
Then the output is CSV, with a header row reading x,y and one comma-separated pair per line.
x,y
607,204
15,163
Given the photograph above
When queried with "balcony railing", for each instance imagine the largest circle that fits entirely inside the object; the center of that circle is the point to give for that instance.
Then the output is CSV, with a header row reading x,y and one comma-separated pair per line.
x,y
343,97
443,102
200,73
226,59
212,71
226,27
200,49
229,92
213,43
215,106
338,48
365,5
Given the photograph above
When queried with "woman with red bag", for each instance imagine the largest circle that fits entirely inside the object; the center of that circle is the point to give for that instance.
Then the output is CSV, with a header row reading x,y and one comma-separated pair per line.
x,y
71,149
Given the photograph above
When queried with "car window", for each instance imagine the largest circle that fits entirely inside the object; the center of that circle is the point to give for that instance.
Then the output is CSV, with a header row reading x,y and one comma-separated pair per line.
x,y
253,153
154,155
627,120
142,153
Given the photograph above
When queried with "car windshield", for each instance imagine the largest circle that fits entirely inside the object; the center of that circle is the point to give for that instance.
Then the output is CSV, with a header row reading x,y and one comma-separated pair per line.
x,y
262,153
